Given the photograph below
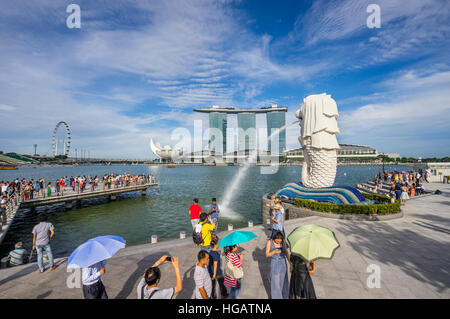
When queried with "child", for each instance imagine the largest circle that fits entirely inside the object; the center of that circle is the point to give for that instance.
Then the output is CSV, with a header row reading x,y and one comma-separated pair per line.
x,y
215,269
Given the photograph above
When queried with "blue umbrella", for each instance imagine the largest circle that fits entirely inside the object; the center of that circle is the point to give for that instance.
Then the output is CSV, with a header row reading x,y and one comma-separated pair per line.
x,y
236,237
95,250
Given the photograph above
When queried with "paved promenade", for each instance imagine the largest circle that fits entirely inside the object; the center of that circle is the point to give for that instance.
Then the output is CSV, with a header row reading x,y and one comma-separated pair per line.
x,y
412,253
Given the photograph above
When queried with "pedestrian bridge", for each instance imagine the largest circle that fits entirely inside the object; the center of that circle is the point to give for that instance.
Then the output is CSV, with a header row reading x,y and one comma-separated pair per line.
x,y
68,196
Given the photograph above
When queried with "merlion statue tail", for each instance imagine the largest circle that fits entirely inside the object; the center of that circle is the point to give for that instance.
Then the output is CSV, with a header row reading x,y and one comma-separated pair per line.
x,y
319,167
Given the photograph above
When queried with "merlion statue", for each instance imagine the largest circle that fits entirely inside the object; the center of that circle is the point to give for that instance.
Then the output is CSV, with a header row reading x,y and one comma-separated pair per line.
x,y
318,120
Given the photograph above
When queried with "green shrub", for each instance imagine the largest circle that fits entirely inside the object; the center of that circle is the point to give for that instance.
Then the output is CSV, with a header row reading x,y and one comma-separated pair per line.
x,y
382,206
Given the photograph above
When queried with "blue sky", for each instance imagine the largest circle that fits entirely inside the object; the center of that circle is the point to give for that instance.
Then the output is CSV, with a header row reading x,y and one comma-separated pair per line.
x,y
136,69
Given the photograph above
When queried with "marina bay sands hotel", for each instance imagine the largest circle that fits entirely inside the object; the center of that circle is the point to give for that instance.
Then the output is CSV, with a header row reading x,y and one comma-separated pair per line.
x,y
246,118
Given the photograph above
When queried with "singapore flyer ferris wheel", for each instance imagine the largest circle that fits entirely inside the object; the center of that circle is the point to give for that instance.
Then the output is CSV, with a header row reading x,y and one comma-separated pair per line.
x,y
65,139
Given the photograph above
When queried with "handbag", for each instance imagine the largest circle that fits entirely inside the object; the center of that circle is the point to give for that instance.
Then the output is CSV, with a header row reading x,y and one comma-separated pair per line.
x,y
313,270
233,271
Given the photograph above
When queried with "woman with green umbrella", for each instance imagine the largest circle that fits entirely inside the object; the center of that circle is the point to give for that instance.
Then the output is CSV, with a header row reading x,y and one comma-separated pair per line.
x,y
301,285
308,243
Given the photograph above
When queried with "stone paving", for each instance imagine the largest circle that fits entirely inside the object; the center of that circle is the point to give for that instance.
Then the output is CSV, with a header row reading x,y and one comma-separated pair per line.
x,y
412,253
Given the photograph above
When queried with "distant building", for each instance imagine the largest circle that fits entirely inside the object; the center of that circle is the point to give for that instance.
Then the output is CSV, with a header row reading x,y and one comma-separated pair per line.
x,y
276,120
246,131
346,150
275,116
204,156
166,153
393,155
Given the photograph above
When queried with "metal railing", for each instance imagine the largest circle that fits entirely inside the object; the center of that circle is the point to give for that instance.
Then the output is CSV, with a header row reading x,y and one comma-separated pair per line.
x,y
10,208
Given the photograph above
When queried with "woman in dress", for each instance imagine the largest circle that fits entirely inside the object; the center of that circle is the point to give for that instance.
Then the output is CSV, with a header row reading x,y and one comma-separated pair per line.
x,y
277,251
236,261
404,196
301,285
412,190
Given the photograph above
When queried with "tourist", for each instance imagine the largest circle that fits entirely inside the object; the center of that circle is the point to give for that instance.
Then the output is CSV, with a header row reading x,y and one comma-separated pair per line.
x,y
42,234
215,270
49,189
57,187
37,188
404,194
194,213
148,286
41,187
3,214
301,285
412,190
205,228
233,277
27,191
419,189
203,284
214,213
278,218
398,190
18,256
32,189
61,186
277,251
271,205
93,287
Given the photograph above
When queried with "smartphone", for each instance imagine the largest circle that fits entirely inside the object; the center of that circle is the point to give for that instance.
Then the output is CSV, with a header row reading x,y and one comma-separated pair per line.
x,y
169,259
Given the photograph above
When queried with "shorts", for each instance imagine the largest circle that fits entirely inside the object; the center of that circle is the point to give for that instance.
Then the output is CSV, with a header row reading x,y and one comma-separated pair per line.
x,y
194,222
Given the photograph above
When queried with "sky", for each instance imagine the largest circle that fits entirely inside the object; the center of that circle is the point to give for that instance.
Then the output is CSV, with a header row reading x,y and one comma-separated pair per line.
x,y
135,70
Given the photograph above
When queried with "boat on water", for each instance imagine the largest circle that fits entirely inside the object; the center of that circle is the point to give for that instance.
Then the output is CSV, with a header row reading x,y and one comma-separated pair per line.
x,y
7,167
171,166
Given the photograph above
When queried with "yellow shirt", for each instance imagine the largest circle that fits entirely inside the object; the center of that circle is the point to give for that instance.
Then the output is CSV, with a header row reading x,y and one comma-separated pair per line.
x,y
206,234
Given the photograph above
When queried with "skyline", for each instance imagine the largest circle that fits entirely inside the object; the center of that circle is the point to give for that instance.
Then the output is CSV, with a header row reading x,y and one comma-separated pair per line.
x,y
136,70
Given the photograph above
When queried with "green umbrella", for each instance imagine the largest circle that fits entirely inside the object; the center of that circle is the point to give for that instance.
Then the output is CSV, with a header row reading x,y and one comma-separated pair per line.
x,y
313,242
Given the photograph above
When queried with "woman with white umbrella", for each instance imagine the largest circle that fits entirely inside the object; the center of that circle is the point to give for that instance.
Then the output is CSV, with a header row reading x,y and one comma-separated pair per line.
x,y
91,257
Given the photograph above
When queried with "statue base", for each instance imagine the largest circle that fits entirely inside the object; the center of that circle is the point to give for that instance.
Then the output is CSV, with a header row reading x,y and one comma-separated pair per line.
x,y
333,194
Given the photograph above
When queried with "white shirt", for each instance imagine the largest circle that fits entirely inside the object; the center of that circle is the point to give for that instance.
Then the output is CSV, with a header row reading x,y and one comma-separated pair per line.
x,y
158,294
91,275
202,279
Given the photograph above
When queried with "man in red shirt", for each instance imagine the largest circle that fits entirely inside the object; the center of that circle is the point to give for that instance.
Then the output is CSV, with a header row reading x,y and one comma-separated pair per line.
x,y
194,212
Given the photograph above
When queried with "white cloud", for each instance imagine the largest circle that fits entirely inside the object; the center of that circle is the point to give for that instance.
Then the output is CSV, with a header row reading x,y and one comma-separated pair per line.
x,y
416,112
4,107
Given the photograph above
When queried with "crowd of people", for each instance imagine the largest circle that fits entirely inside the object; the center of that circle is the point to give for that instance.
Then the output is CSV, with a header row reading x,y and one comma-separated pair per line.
x,y
210,270
30,189
403,184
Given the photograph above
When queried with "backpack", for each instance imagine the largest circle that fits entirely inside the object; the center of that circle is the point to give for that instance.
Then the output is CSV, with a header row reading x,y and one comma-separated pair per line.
x,y
197,234
151,294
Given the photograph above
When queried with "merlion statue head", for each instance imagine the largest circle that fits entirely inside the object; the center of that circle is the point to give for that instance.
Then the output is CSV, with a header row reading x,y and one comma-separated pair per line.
x,y
318,120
